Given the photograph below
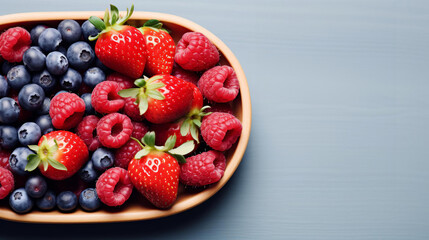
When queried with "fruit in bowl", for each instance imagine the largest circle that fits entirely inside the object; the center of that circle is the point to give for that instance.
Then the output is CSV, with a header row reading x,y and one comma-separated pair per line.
x,y
132,100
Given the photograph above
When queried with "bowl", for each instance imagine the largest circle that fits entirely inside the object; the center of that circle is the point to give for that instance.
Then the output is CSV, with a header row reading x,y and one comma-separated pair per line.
x,y
137,208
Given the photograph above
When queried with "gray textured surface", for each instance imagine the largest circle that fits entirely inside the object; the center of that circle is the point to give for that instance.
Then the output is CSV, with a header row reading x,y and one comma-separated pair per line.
x,y
338,148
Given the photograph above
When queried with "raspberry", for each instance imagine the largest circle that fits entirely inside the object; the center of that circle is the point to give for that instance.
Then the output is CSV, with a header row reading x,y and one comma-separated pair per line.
x,y
131,109
66,110
220,130
86,130
105,98
126,153
203,169
13,43
195,52
219,84
114,186
6,182
114,130
4,159
139,130
123,81
183,74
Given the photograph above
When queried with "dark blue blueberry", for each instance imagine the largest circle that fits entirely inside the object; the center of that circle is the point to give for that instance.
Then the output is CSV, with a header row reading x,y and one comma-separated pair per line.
x,y
20,202
4,87
70,30
102,159
18,160
36,186
9,110
89,110
67,201
94,76
31,97
18,76
45,107
47,202
88,174
34,59
88,29
57,63
46,80
89,200
62,49
50,39
35,33
80,55
7,66
45,123
71,80
8,137
29,134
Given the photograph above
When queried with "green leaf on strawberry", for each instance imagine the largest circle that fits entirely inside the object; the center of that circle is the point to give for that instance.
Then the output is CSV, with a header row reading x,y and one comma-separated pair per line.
x,y
192,122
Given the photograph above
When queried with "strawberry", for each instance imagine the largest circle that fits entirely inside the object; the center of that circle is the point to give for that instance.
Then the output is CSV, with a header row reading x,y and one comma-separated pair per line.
x,y
161,98
60,154
155,170
160,48
119,47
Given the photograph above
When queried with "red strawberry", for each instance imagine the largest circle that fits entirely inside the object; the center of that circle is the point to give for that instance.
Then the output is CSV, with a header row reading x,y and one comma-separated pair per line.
x,y
161,98
119,47
160,48
154,171
60,154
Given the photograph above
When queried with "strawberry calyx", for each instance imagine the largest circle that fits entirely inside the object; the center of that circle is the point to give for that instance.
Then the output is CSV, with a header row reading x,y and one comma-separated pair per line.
x,y
111,20
152,24
46,153
148,146
192,122
147,87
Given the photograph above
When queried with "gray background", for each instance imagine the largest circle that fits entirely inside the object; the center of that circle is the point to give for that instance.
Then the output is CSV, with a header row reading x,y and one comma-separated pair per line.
x,y
338,148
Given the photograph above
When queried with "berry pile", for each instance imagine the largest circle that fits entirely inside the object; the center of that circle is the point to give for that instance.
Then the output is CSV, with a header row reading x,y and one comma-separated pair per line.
x,y
90,111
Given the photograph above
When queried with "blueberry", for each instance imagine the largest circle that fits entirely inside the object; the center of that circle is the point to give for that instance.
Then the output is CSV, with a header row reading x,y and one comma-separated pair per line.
x,y
102,159
35,33
89,200
7,66
31,97
29,134
70,30
67,201
88,173
46,80
4,87
80,55
9,110
89,110
45,123
62,49
8,137
18,160
62,91
36,186
88,29
94,76
18,76
20,202
45,107
34,59
57,63
71,80
47,202
50,39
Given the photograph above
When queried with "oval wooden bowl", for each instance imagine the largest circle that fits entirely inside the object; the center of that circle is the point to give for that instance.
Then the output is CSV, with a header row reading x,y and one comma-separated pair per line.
x,y
138,208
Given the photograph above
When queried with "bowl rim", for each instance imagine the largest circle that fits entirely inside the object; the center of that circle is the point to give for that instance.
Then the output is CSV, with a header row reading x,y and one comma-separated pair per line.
x,y
178,207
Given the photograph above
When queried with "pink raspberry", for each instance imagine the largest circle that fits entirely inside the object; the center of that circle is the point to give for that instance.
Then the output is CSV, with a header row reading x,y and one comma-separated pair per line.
x,y
195,52
114,186
13,43
114,130
4,159
105,98
186,75
126,153
139,130
66,110
220,130
87,131
219,84
6,182
203,169
123,81
131,109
